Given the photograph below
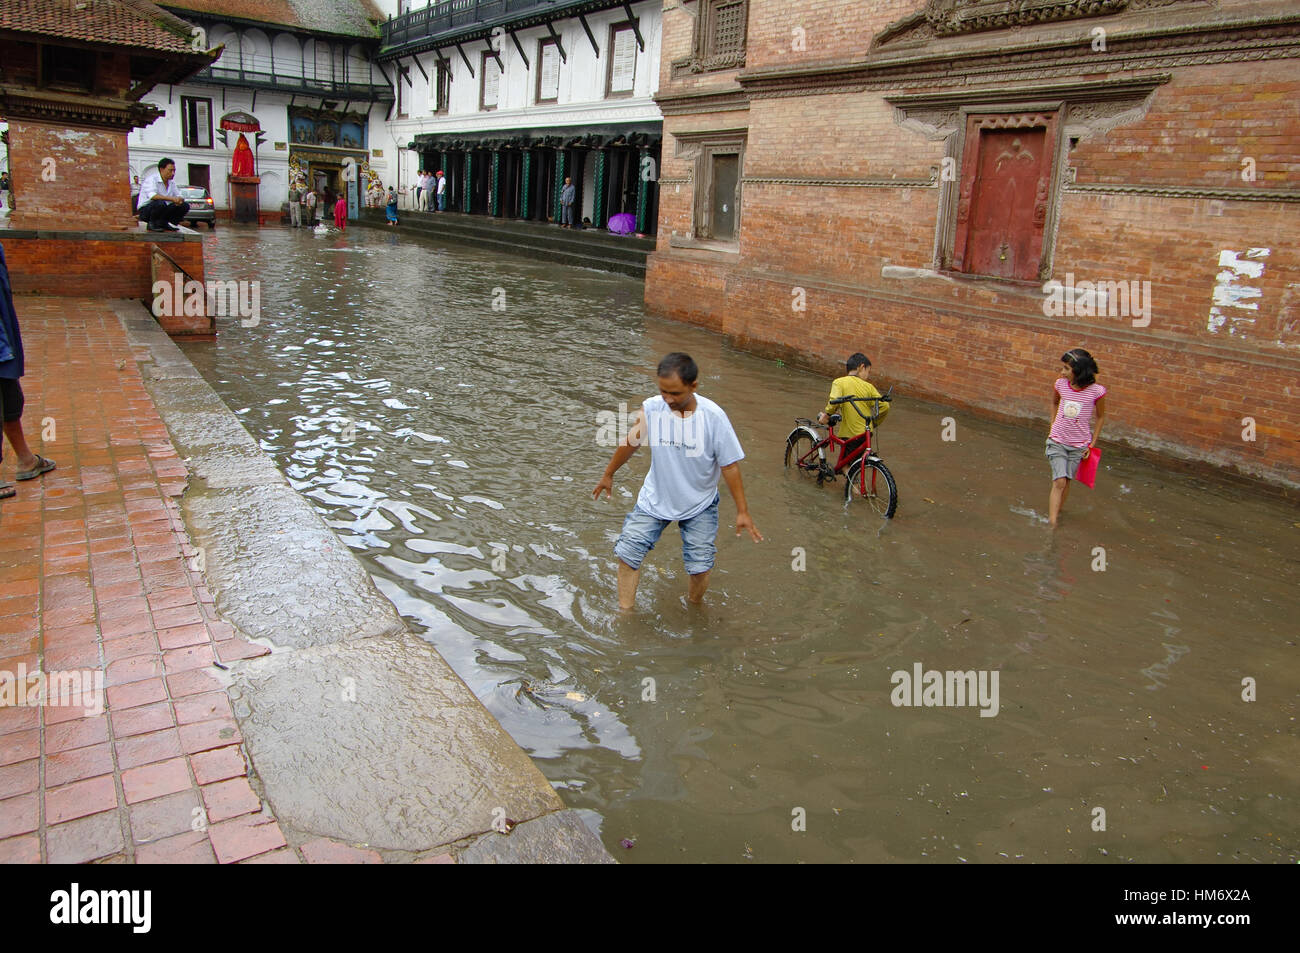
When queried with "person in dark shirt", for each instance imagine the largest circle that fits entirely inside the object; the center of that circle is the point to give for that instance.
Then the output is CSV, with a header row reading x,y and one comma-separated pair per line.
x,y
30,465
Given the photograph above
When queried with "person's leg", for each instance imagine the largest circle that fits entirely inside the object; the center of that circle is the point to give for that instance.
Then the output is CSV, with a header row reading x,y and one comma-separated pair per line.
x,y
174,213
1060,489
151,214
640,533
29,465
699,550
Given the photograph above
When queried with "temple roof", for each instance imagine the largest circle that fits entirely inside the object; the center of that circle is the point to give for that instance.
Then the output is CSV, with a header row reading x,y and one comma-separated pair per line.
x,y
134,23
345,17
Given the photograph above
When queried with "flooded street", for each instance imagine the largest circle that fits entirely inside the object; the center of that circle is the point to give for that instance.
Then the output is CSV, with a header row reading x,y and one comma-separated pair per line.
x,y
454,448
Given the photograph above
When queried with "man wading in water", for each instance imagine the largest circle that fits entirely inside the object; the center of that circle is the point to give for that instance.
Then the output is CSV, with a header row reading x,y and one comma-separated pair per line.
x,y
691,444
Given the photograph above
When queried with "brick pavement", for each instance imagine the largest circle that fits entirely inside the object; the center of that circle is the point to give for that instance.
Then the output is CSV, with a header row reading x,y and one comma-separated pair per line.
x,y
99,577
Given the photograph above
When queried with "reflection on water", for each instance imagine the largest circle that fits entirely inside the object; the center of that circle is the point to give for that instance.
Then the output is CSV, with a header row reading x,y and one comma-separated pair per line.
x,y
454,448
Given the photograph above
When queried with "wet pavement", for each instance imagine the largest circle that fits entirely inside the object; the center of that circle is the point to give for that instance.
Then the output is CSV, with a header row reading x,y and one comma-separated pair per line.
x,y
453,446
133,572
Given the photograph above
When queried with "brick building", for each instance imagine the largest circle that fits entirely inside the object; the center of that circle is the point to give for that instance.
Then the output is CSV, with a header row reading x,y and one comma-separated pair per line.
x,y
966,188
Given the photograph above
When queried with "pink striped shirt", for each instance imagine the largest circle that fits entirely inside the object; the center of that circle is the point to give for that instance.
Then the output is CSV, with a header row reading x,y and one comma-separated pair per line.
x,y
1073,424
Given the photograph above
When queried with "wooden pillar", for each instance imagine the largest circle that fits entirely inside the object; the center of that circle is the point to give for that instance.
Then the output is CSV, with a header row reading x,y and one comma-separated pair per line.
x,y
598,204
525,183
494,197
467,193
642,189
560,157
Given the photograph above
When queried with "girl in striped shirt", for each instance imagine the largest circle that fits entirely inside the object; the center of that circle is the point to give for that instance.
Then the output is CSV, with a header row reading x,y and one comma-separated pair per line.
x,y
1077,398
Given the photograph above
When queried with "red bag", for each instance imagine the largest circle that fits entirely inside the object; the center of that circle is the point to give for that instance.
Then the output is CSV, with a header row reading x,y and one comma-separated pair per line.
x,y
1087,474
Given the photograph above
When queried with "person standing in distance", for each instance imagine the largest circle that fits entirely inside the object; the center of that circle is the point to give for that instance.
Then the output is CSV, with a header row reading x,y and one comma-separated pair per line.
x,y
691,443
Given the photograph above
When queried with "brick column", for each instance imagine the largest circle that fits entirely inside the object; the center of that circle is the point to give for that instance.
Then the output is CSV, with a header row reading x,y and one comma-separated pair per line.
x,y
68,178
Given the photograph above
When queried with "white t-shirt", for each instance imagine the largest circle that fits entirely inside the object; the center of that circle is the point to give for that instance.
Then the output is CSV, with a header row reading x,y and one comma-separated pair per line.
x,y
152,184
686,458
442,183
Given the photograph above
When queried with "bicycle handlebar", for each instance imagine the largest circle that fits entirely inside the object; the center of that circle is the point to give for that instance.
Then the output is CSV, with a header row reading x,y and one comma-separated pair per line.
x,y
840,400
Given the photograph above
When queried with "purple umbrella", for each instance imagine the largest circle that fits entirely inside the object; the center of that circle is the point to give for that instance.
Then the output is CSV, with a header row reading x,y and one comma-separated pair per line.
x,y
624,224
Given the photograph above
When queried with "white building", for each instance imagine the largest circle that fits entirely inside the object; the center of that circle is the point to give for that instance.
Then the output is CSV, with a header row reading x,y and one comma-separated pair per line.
x,y
510,96
307,81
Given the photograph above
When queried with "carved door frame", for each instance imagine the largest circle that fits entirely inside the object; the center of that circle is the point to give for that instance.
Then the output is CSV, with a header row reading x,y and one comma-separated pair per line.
x,y
1047,199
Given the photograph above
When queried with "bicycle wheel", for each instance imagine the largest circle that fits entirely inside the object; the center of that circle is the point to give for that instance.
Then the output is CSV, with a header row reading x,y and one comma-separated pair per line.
x,y
870,481
799,447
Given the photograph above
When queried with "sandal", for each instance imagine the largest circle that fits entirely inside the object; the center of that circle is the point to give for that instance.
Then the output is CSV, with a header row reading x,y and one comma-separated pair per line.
x,y
7,490
42,466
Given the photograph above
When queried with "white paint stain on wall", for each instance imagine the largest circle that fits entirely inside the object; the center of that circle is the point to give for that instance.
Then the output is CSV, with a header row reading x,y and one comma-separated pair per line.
x,y
1233,307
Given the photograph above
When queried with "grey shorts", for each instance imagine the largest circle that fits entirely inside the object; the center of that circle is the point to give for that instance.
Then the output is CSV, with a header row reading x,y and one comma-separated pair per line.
x,y
1064,460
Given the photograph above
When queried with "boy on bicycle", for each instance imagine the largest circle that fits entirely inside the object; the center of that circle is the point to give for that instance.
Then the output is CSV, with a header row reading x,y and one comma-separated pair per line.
x,y
853,427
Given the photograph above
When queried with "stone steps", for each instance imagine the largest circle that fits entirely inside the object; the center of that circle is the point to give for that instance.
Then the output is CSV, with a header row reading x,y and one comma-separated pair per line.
x,y
588,248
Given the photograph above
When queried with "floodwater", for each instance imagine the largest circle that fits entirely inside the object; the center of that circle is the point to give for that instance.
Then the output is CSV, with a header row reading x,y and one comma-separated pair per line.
x,y
454,447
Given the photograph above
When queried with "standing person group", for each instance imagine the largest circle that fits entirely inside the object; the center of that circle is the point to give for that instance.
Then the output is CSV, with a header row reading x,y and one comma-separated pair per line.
x,y
425,184
30,465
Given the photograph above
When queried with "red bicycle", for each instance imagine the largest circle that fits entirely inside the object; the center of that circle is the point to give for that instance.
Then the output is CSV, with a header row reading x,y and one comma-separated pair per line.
x,y
866,476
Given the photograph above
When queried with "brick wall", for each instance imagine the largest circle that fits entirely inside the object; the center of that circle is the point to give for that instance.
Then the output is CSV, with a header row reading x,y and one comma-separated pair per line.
x,y
1181,385
68,177
83,267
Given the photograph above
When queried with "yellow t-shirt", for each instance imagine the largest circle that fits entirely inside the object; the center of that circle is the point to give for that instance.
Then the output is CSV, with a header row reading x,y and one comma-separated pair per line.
x,y
854,422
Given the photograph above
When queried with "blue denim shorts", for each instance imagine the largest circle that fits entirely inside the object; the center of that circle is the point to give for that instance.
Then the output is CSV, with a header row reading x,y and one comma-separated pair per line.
x,y
699,534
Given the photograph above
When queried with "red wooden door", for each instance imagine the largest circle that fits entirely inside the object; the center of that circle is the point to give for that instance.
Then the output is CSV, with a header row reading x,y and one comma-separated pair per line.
x,y
1002,210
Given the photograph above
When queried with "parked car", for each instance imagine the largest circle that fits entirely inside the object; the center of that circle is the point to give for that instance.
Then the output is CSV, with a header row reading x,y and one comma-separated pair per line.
x,y
200,202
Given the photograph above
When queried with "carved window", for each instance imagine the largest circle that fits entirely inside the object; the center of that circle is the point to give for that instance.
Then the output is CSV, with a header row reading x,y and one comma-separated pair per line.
x,y
725,28
1005,194
720,36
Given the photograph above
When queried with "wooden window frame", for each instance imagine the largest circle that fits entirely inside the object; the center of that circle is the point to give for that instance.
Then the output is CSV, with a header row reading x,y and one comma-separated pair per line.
x,y
443,72
188,141
482,82
537,87
614,30
699,148
403,72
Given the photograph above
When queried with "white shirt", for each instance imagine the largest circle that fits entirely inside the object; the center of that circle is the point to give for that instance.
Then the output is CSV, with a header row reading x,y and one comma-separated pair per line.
x,y
152,184
442,184
686,458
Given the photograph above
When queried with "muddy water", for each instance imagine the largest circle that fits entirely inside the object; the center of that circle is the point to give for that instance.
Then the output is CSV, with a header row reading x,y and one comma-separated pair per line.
x,y
454,448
